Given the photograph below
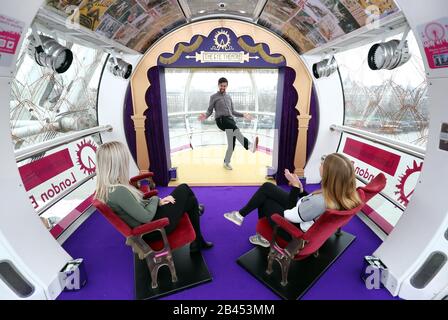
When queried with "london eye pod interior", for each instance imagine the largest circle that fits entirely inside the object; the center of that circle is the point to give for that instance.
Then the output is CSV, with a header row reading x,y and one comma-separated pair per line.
x,y
364,79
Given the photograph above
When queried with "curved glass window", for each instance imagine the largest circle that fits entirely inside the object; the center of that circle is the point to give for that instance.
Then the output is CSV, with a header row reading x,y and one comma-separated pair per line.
x,y
188,92
393,103
45,104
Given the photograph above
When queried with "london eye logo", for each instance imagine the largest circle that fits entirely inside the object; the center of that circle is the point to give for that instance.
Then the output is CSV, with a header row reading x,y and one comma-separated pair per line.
x,y
435,32
407,182
222,41
85,156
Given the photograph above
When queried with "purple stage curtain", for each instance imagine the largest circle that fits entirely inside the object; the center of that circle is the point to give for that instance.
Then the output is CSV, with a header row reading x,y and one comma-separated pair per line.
x,y
129,124
154,130
289,126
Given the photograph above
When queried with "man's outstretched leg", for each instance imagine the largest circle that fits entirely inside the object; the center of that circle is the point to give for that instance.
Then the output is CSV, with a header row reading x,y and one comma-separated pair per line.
x,y
251,146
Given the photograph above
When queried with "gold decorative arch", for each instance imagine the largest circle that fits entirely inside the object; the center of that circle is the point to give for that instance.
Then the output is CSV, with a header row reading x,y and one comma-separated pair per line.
x,y
140,82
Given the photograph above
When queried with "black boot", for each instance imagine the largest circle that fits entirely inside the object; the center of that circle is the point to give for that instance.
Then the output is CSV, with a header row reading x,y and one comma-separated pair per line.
x,y
201,209
197,245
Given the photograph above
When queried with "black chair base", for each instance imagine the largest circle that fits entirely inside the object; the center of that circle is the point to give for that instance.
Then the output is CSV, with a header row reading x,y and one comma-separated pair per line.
x,y
302,274
191,271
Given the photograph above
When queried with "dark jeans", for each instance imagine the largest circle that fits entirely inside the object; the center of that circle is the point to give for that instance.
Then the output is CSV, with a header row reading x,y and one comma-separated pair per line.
x,y
186,202
270,199
228,125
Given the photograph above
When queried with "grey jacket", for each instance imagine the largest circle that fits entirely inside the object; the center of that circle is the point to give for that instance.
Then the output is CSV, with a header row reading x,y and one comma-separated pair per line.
x,y
307,210
223,105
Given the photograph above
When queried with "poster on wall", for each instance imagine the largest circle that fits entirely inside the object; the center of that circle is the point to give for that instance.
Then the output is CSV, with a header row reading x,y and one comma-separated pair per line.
x,y
46,178
10,33
434,37
369,159
402,172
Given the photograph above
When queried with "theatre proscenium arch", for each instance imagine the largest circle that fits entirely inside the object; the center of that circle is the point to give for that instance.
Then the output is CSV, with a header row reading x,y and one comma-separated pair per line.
x,y
140,82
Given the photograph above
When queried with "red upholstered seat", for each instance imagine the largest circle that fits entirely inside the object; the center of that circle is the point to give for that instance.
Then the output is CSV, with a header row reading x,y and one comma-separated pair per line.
x,y
325,226
303,244
145,184
182,235
156,253
374,187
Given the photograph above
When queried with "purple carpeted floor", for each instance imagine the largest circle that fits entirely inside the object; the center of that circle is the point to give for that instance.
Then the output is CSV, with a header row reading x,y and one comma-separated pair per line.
x,y
109,262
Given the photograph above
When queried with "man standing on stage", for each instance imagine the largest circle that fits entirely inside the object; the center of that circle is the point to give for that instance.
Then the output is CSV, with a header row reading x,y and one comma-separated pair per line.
x,y
222,104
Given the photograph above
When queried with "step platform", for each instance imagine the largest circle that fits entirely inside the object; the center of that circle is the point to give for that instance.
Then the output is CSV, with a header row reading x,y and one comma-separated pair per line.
x,y
191,271
302,274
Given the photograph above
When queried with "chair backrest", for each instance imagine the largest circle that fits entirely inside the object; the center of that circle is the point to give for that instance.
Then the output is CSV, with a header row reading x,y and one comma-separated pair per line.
x,y
326,225
115,220
374,187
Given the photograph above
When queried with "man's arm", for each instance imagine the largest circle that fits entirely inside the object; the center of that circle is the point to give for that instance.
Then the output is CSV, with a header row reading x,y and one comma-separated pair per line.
x,y
211,105
235,113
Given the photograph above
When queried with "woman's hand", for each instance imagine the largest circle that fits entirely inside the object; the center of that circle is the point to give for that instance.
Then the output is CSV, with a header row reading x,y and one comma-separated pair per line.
x,y
293,179
166,200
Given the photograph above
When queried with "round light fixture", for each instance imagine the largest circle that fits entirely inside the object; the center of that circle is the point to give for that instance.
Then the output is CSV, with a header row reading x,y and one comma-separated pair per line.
x,y
49,53
387,56
324,68
120,68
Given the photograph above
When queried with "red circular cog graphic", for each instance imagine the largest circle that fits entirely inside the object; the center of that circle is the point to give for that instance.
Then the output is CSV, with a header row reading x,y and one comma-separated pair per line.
x,y
404,198
89,167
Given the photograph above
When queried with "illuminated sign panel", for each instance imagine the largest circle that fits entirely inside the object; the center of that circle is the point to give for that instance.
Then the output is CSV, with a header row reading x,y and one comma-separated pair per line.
x,y
46,178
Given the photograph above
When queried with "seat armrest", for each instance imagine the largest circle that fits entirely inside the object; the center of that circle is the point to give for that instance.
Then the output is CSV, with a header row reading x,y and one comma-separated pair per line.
x,y
134,180
150,226
151,193
287,226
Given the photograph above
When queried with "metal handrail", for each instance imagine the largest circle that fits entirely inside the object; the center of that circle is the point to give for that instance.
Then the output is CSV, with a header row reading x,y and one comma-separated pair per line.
x,y
199,133
181,113
394,144
28,152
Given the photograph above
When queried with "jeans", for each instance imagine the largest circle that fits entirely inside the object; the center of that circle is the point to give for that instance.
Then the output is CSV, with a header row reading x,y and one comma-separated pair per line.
x,y
233,133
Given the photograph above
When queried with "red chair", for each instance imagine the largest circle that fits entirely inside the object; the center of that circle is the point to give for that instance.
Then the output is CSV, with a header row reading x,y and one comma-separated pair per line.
x,y
304,244
145,183
374,187
156,253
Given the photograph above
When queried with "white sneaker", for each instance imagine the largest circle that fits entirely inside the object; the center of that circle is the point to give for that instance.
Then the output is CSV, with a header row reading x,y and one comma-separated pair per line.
x,y
254,145
235,217
228,166
259,241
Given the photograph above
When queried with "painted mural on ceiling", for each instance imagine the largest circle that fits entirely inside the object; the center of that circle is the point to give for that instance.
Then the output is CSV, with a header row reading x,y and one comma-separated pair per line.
x,y
305,24
134,23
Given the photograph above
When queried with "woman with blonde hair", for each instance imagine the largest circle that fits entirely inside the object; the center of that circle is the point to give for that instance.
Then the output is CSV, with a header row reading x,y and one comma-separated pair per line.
x,y
113,188
302,209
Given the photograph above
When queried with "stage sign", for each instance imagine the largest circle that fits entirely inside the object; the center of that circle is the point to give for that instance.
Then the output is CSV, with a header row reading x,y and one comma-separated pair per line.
x,y
46,178
223,57
221,47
